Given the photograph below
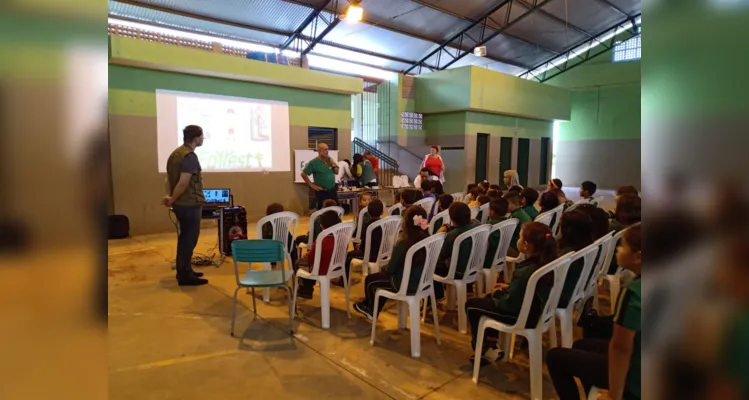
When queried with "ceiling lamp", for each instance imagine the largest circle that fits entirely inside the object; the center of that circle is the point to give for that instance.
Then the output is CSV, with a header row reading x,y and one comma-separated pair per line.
x,y
354,13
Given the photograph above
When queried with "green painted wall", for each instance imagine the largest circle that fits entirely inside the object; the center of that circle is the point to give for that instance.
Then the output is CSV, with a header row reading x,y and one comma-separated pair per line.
x,y
443,91
504,125
167,57
605,100
496,92
132,92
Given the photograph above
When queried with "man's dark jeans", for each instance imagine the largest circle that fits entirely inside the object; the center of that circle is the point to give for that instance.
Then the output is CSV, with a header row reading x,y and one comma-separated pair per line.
x,y
189,230
322,195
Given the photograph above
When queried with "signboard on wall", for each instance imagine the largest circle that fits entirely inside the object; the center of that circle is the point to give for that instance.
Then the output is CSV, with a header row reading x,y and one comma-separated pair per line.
x,y
302,157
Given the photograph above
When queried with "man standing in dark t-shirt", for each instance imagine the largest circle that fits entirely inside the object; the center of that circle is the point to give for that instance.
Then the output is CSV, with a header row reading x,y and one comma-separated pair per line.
x,y
185,186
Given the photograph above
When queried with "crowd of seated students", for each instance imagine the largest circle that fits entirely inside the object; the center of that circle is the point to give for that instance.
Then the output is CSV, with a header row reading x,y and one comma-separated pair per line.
x,y
609,360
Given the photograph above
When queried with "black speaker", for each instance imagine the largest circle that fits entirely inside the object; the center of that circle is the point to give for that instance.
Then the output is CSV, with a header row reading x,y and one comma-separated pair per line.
x,y
232,225
119,227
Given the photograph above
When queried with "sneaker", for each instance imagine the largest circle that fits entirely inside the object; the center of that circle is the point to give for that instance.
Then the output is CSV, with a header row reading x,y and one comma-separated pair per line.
x,y
192,281
491,355
363,309
196,274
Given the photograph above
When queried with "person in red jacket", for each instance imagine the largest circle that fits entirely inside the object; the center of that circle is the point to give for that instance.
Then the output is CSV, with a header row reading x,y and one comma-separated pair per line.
x,y
307,287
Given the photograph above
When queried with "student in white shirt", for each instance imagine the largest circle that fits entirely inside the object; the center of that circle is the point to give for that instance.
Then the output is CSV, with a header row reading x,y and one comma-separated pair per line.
x,y
344,171
423,176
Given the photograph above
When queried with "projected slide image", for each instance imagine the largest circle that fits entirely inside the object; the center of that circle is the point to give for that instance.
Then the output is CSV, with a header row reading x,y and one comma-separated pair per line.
x,y
239,134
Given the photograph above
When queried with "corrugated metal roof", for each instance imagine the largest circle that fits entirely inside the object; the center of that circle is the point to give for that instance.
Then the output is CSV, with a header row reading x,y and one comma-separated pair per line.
x,y
402,29
147,15
593,16
378,40
268,14
377,62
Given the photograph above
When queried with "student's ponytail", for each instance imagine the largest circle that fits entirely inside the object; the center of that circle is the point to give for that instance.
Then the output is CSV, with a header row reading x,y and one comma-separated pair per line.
x,y
544,245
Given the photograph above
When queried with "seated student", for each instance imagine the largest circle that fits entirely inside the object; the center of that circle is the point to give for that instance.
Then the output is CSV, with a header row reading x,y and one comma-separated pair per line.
x,y
628,213
622,191
513,201
409,197
515,188
496,187
608,364
599,218
414,231
437,188
426,189
317,228
548,201
475,193
483,199
306,287
364,200
469,197
528,197
511,178
483,186
423,177
460,222
494,194
562,197
497,213
442,204
267,229
374,210
555,183
540,248
577,233
587,190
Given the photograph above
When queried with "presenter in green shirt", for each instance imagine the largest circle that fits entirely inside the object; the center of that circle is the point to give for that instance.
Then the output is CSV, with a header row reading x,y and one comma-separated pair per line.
x,y
323,171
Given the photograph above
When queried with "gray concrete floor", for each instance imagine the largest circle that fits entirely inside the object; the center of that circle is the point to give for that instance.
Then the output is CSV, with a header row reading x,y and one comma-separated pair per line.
x,y
168,342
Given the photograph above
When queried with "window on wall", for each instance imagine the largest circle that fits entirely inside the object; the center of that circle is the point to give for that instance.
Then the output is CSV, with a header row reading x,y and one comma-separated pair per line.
x,y
413,121
630,49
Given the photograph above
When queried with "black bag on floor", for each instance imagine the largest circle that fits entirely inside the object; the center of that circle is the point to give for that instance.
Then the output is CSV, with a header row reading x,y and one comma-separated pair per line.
x,y
119,227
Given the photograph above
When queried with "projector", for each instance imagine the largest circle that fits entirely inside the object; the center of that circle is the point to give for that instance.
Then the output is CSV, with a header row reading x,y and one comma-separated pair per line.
x,y
479,51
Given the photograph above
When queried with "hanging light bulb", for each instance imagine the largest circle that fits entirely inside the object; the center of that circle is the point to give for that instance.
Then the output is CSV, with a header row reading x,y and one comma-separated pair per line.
x,y
354,13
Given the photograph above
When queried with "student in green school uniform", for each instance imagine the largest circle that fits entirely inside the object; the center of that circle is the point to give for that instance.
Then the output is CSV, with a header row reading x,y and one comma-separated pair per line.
x,y
497,214
629,212
587,190
414,231
316,229
443,203
528,199
608,364
460,222
577,233
513,201
540,248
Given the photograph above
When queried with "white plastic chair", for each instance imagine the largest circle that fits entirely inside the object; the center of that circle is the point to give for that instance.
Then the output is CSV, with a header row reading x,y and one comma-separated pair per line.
x,y
425,291
426,203
558,211
283,224
591,288
489,276
479,237
598,201
484,210
545,218
444,216
566,314
341,234
359,225
535,334
594,393
312,218
458,197
391,209
390,227
614,279
474,212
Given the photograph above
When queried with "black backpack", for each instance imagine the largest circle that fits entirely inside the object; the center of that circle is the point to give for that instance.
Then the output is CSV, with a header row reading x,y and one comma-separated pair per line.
x,y
119,227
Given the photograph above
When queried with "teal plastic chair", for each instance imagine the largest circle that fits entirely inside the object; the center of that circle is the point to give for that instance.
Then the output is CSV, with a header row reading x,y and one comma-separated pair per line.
x,y
261,251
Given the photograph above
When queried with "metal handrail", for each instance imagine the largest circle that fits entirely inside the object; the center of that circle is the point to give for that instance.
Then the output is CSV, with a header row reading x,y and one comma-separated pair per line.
x,y
377,153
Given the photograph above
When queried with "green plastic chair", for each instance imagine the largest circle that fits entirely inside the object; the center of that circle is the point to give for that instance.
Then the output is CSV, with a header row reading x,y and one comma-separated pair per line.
x,y
261,251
